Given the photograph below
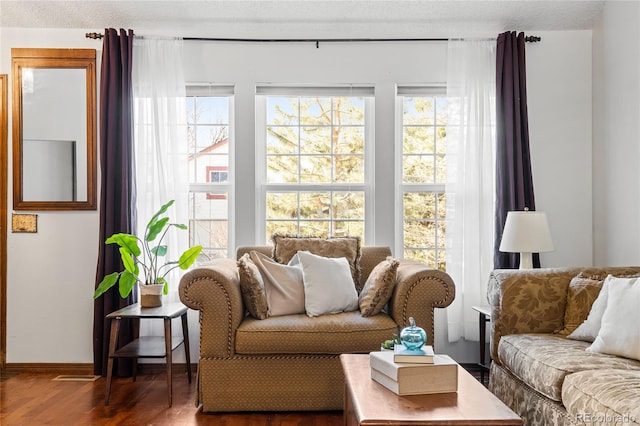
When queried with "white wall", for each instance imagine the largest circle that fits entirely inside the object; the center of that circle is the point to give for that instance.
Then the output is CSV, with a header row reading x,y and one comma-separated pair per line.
x,y
50,274
559,101
62,256
616,142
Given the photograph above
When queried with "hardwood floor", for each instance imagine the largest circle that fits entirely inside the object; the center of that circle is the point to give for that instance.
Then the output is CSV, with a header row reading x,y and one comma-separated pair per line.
x,y
35,399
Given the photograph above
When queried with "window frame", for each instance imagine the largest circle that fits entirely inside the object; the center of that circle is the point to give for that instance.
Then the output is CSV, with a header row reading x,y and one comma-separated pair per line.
x,y
219,190
401,187
263,187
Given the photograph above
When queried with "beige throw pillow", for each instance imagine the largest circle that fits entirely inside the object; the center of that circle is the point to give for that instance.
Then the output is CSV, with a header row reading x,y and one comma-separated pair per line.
x,y
252,288
328,286
285,247
619,333
589,328
583,290
283,285
378,288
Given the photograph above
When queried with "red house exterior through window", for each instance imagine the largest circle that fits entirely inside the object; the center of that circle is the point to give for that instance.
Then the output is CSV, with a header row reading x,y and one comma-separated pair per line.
x,y
217,174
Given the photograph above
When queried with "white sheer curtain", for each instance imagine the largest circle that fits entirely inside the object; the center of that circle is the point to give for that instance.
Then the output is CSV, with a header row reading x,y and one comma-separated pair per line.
x,y
160,135
471,89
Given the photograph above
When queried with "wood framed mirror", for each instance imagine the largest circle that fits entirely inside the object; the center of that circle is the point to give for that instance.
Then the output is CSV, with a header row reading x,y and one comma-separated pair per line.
x,y
54,129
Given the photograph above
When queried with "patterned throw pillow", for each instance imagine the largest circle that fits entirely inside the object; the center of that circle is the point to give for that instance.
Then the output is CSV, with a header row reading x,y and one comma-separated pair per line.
x,y
378,288
588,328
285,247
252,288
583,290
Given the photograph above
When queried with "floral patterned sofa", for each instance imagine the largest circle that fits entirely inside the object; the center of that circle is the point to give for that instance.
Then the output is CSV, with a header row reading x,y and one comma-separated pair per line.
x,y
545,377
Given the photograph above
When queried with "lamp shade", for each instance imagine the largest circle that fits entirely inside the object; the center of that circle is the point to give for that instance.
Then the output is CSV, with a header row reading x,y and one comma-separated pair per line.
x,y
526,232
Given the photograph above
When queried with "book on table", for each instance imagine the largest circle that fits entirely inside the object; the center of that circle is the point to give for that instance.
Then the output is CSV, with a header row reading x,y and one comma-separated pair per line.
x,y
414,379
417,356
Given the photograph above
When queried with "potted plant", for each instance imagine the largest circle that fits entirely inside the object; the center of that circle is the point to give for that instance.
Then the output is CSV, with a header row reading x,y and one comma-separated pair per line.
x,y
388,345
143,261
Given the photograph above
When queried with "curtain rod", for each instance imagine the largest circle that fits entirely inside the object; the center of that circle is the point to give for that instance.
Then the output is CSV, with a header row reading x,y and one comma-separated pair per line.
x,y
317,41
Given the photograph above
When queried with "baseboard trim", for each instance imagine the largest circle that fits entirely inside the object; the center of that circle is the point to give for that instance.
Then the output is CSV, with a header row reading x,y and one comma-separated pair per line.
x,y
470,367
87,369
55,368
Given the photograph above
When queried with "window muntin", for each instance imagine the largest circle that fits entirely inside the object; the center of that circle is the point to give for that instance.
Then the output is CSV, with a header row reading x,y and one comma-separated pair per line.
x,y
209,124
315,213
424,227
423,170
218,176
315,176
315,140
423,139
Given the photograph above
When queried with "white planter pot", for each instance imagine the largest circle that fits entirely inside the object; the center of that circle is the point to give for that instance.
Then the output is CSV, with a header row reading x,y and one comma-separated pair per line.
x,y
151,295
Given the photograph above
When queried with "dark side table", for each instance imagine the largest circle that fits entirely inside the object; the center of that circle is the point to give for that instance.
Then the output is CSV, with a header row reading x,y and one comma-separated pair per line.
x,y
148,346
484,313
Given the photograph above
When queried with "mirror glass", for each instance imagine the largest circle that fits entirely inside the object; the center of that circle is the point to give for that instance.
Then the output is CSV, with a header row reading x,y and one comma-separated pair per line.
x,y
54,129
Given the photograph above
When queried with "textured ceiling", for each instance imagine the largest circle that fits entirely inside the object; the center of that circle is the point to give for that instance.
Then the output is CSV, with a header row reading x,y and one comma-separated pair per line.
x,y
305,18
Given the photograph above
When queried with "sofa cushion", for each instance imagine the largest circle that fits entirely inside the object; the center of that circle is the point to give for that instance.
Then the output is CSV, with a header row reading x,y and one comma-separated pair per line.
x,y
544,360
326,334
378,288
608,396
252,288
282,283
619,333
328,286
588,330
582,292
285,247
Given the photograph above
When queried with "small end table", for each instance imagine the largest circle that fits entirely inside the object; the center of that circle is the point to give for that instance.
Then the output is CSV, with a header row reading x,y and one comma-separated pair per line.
x,y
484,317
148,346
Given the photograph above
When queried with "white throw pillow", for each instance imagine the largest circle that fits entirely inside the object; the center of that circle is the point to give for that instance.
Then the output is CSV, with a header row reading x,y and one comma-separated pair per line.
x,y
620,331
328,284
282,284
588,330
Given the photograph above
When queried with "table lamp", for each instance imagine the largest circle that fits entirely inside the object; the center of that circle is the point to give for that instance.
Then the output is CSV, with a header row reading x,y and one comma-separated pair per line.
x,y
526,232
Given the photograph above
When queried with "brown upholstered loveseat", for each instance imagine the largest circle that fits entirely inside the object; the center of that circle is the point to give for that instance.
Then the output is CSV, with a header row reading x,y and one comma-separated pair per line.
x,y
291,363
543,376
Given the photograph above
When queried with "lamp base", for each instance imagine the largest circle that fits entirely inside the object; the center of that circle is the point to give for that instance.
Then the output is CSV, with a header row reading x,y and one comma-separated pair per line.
x,y
526,260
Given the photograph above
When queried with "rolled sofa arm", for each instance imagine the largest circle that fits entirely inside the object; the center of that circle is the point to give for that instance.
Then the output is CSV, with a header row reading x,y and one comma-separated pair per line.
x,y
214,290
418,291
527,301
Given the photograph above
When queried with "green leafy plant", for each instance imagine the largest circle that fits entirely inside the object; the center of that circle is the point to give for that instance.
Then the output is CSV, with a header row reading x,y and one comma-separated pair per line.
x,y
143,262
389,344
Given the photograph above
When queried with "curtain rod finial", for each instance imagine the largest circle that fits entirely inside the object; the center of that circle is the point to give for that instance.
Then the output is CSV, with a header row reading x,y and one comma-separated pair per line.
x,y
94,36
532,39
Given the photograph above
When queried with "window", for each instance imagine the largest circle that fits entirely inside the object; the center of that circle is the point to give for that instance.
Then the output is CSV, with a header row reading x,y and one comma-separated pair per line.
x,y
423,170
218,176
209,135
315,179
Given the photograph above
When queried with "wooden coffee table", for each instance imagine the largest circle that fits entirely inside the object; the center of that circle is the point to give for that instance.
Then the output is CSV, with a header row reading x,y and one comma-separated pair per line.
x,y
369,403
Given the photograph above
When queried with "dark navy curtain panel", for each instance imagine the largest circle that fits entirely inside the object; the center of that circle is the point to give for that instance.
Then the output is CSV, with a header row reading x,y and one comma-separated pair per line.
x,y
117,191
514,182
